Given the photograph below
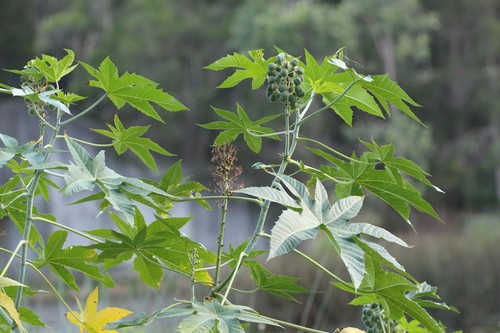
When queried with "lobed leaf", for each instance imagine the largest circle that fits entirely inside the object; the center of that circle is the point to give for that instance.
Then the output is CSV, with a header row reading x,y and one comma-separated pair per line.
x,y
135,90
240,123
131,138
202,317
246,68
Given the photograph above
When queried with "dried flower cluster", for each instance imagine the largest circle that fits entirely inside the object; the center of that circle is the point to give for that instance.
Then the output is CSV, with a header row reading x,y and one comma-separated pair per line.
x,y
224,170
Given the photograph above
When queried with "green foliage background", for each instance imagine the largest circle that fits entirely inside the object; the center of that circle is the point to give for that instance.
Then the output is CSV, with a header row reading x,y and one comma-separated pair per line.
x,y
444,53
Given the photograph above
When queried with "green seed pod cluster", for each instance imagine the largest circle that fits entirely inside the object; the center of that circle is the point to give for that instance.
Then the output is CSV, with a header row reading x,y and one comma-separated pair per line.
x,y
375,321
284,79
34,81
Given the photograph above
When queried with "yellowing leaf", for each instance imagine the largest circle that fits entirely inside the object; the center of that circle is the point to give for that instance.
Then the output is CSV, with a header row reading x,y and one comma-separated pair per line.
x,y
92,321
7,303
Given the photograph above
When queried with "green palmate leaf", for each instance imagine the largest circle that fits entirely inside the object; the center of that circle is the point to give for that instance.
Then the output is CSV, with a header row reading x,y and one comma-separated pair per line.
x,y
234,254
135,90
60,260
160,240
131,138
355,97
395,166
387,91
392,290
279,285
68,98
254,68
203,317
387,185
317,74
293,227
30,317
52,68
132,242
13,200
239,123
87,172
177,186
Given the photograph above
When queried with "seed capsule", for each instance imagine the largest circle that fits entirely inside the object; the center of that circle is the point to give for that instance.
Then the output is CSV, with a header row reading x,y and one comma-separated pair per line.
x,y
299,70
275,96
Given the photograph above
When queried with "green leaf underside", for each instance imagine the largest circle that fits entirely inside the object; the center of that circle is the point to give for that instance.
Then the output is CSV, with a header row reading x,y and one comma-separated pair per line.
x,y
202,317
28,151
87,172
293,227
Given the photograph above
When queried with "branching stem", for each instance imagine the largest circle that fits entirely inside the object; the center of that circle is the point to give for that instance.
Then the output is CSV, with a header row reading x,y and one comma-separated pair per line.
x,y
264,206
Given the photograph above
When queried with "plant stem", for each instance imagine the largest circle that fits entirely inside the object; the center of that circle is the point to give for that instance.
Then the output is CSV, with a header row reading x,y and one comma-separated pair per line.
x,y
88,143
65,227
326,107
217,197
30,198
319,266
51,286
220,239
335,151
314,170
27,227
6,317
14,254
264,206
84,112
232,276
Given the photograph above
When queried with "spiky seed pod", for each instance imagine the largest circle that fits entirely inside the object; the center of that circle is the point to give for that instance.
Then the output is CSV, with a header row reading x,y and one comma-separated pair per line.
x,y
299,70
283,81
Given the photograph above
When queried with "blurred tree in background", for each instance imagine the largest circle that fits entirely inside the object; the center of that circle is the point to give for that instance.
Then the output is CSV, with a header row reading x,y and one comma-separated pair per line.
x,y
439,51
445,53
17,24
